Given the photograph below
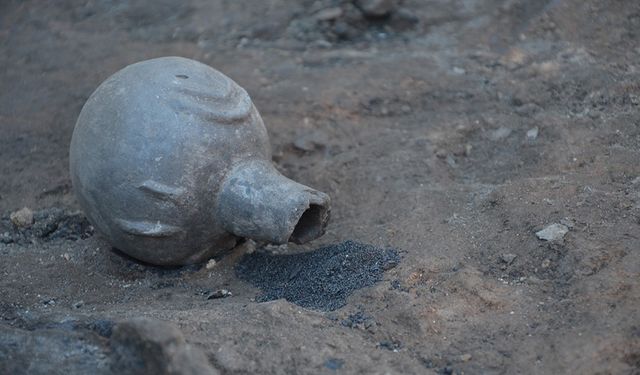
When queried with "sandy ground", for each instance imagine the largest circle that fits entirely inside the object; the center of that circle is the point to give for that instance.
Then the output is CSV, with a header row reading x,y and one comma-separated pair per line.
x,y
453,131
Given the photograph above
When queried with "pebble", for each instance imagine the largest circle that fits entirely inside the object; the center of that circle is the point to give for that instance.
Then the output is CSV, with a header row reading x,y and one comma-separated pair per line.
x,y
568,222
451,161
403,19
458,70
149,346
553,232
334,364
532,134
78,304
328,14
499,133
220,293
376,8
210,264
508,258
321,43
465,357
311,141
6,238
22,218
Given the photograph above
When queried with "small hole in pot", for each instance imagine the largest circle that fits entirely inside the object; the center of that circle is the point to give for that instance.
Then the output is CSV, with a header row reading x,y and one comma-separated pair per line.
x,y
182,76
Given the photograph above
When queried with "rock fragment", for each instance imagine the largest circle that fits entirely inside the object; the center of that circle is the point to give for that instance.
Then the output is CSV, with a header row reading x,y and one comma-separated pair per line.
x,y
211,264
376,8
22,218
148,346
532,134
553,233
403,19
310,141
508,258
220,293
329,14
52,351
500,133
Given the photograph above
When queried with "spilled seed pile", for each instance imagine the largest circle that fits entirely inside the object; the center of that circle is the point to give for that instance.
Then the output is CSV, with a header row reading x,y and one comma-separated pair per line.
x,y
321,279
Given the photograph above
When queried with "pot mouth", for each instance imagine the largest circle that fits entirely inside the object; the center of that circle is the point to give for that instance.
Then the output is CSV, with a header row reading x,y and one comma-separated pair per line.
x,y
257,202
312,223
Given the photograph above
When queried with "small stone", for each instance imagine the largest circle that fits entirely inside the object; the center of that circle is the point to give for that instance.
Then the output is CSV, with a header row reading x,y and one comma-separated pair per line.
x,y
451,161
310,141
321,43
499,133
147,346
66,256
532,134
568,222
546,263
458,70
508,258
467,149
334,364
78,304
220,293
6,238
376,8
22,218
465,357
328,14
441,153
210,264
393,345
553,232
403,19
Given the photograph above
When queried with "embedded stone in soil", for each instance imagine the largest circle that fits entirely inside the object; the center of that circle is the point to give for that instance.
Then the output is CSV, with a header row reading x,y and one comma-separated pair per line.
x,y
321,279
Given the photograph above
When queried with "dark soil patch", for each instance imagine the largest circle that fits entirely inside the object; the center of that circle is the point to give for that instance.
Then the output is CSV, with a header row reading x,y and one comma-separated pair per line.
x,y
321,279
48,224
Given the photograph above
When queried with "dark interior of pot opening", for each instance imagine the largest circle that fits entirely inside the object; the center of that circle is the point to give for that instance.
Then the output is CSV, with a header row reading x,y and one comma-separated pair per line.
x,y
311,224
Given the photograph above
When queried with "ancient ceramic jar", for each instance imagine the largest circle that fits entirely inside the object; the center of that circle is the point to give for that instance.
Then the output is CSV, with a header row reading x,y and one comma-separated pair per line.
x,y
171,162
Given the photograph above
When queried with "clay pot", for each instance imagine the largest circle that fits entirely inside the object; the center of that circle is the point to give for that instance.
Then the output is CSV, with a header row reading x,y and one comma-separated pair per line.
x,y
171,162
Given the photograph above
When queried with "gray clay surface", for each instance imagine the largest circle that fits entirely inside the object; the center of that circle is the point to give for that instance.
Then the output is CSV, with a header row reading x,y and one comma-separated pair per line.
x,y
171,162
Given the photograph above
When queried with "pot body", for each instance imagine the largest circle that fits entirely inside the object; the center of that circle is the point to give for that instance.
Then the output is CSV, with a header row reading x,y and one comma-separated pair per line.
x,y
150,152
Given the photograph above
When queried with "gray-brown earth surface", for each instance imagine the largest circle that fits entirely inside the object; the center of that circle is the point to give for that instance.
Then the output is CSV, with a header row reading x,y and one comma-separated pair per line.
x,y
453,131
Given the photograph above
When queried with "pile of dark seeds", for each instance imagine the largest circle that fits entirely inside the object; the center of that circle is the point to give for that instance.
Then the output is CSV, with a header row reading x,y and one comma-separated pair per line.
x,y
321,279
